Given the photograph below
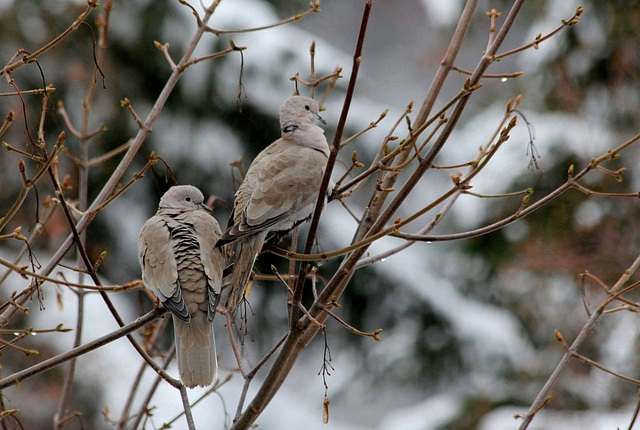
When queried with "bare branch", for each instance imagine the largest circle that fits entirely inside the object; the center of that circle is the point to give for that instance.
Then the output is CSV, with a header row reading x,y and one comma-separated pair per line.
x,y
543,395
314,7
29,58
76,352
540,38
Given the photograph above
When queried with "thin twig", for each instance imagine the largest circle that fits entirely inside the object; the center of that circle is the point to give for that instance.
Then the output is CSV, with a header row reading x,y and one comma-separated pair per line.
x,y
52,362
314,7
38,91
28,184
29,58
605,369
352,329
187,408
214,388
249,376
636,410
144,407
158,328
234,345
23,271
219,54
540,38
543,394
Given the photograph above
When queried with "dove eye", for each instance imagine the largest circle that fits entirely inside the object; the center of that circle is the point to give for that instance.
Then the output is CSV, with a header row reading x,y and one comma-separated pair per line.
x,y
306,107
188,199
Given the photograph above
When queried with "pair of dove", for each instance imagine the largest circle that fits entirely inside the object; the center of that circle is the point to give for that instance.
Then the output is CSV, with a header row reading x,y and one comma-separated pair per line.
x,y
178,248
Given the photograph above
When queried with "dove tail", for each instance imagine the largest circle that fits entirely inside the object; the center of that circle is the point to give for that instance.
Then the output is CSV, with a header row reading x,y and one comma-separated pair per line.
x,y
195,350
247,250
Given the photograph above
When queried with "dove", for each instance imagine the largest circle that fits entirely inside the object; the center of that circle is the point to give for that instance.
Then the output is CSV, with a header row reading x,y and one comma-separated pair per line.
x,y
280,188
183,267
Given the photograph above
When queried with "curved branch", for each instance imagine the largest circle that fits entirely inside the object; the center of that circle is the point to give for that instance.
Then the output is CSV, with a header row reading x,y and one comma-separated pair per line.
x,y
26,59
22,375
314,7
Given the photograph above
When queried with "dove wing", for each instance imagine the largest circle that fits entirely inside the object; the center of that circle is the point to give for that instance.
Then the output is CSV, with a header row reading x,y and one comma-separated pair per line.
x,y
159,267
277,186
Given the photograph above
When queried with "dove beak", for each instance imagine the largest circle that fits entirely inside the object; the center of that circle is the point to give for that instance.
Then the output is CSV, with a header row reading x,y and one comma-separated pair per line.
x,y
205,207
320,119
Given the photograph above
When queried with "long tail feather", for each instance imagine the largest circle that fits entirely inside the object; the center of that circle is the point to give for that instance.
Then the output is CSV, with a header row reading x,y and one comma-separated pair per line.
x,y
196,351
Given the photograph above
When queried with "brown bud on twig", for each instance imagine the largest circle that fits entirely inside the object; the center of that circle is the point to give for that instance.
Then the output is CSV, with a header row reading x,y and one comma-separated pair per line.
x,y
22,168
538,37
61,138
558,335
99,261
235,47
160,46
457,177
66,183
335,303
354,160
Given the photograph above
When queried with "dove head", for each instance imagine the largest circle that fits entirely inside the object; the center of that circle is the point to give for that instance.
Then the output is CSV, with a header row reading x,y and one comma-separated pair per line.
x,y
185,197
299,112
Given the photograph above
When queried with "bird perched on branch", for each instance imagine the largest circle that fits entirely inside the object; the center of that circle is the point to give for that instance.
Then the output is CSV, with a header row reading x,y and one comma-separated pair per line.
x,y
280,188
183,267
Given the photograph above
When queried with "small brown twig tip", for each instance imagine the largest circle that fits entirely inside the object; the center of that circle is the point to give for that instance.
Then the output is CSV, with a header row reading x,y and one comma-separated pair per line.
x,y
235,47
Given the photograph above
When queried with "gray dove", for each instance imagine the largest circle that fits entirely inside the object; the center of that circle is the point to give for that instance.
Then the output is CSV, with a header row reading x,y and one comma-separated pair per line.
x,y
279,190
182,266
